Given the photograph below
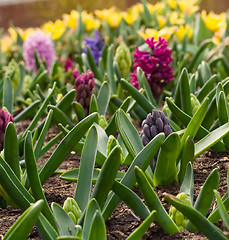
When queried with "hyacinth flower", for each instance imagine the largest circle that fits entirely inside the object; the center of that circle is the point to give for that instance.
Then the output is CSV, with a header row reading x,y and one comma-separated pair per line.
x,y
123,58
69,65
5,118
43,45
96,45
155,63
84,85
154,124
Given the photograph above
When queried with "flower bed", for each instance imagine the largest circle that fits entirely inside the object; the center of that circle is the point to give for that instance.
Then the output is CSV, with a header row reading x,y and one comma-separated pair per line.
x,y
140,101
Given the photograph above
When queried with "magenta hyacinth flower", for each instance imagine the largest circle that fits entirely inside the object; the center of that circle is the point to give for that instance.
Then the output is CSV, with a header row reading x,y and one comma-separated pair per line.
x,y
40,42
96,45
5,118
69,65
155,63
84,85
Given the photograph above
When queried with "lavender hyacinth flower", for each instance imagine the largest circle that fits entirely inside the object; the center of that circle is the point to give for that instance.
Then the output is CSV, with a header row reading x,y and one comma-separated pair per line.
x,y
154,124
40,42
84,85
155,63
96,45
5,118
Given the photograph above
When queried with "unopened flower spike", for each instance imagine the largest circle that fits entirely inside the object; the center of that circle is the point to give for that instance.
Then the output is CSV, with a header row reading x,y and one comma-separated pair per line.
x,y
43,45
5,118
155,63
96,45
154,124
84,85
176,215
72,209
123,58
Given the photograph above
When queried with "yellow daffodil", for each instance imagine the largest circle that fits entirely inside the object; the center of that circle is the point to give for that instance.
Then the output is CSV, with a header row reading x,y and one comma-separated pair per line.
x,y
176,18
71,19
111,16
89,21
55,29
25,33
8,39
189,7
165,33
183,30
161,21
213,21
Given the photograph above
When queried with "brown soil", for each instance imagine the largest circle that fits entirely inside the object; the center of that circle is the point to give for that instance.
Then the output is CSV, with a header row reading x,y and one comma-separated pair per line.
x,y
123,221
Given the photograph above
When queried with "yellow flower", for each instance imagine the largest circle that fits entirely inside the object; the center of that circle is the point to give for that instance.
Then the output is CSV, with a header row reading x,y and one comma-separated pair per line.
x,y
159,7
111,16
189,7
25,33
176,18
8,39
162,20
89,21
55,29
71,19
182,31
213,21
165,33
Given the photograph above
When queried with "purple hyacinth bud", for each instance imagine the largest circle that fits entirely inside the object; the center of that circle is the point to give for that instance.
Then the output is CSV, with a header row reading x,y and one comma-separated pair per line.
x,y
167,130
153,131
5,118
145,140
159,124
68,65
84,85
146,131
154,124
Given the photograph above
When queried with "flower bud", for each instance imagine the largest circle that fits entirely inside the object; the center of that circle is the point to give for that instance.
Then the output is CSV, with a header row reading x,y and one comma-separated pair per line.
x,y
26,83
123,58
154,124
195,103
84,85
72,209
13,72
5,118
176,215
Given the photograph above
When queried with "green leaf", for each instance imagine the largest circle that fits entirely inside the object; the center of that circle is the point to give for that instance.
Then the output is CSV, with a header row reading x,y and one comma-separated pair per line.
x,y
166,170
98,228
73,175
64,223
11,153
198,219
131,199
34,179
185,93
93,104
140,98
83,188
188,183
142,160
222,209
128,133
211,139
187,155
90,212
103,98
110,69
78,108
8,95
24,224
140,231
154,203
107,176
206,196
66,146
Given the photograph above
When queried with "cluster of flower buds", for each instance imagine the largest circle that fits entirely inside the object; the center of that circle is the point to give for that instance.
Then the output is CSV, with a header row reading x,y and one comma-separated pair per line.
x,y
72,209
13,72
123,58
84,85
5,118
155,123
69,65
176,215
